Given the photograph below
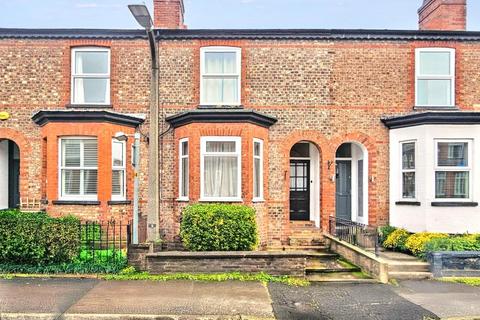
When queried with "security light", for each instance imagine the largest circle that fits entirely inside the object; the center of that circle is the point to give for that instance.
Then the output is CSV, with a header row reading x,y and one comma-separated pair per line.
x,y
121,136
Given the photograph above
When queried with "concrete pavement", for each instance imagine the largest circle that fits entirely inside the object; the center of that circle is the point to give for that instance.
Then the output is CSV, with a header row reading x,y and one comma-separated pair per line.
x,y
82,299
445,299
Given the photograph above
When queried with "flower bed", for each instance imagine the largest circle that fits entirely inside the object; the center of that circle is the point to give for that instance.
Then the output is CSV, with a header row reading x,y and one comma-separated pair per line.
x,y
422,243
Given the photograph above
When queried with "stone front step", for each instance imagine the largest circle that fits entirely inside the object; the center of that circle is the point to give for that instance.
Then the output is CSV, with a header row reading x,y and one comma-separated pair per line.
x,y
410,275
306,240
408,267
311,248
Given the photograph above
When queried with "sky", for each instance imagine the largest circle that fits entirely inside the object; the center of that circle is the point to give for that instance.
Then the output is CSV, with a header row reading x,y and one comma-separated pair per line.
x,y
225,14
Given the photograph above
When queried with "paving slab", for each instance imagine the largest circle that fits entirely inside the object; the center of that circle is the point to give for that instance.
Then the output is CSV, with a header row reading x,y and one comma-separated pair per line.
x,y
445,299
176,298
96,299
42,295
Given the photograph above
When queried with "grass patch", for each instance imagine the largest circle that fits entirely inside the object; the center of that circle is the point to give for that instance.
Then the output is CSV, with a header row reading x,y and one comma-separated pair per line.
x,y
464,280
216,277
346,264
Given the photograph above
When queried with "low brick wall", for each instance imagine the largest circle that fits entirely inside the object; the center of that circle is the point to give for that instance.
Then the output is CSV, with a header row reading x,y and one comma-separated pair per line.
x,y
455,263
367,261
274,263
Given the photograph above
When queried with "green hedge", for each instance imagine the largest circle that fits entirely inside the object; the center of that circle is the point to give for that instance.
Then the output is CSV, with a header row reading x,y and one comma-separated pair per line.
x,y
219,227
36,238
455,243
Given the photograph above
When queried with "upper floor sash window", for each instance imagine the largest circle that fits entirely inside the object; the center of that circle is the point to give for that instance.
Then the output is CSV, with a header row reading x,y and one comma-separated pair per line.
x,y
220,76
90,76
435,77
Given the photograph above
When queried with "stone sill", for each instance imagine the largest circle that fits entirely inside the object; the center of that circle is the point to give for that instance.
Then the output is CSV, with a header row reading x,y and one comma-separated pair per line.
x,y
118,202
88,106
454,204
408,203
81,203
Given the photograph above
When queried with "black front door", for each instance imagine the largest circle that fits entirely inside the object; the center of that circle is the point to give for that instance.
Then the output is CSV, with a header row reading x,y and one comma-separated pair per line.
x,y
300,190
343,193
13,175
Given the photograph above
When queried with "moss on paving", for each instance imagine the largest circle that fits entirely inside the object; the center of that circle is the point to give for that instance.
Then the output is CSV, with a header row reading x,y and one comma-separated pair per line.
x,y
464,280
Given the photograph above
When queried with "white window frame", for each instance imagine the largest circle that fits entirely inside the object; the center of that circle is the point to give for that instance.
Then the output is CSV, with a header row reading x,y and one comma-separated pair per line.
x,y
450,77
237,153
74,75
468,169
402,171
238,74
81,196
123,168
260,157
180,170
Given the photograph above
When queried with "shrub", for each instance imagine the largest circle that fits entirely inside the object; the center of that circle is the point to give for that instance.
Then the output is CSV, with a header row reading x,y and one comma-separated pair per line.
x,y
218,227
36,238
396,240
457,243
416,242
384,232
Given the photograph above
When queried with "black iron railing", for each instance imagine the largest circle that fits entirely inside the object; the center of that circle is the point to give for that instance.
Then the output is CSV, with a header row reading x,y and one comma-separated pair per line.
x,y
103,241
357,234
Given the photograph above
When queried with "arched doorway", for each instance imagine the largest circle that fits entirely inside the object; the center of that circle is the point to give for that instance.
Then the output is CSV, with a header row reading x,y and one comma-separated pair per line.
x,y
305,182
351,182
9,174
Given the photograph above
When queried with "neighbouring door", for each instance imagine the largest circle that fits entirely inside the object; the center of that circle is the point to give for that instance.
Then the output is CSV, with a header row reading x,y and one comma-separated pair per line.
x,y
344,189
300,190
13,175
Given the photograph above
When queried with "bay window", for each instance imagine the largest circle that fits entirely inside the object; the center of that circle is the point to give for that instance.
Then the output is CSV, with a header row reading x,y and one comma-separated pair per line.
x,y
220,168
78,168
453,169
90,76
257,170
408,170
183,170
220,76
435,77
118,170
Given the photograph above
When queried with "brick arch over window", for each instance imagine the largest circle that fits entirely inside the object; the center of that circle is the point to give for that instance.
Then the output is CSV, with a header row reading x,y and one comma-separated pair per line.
x,y
367,142
25,149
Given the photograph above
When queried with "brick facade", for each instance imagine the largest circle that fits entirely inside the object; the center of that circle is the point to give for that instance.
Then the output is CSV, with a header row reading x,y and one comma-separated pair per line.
x,y
326,92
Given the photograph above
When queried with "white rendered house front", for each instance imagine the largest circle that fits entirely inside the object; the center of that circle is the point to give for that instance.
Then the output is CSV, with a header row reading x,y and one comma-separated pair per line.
x,y
435,172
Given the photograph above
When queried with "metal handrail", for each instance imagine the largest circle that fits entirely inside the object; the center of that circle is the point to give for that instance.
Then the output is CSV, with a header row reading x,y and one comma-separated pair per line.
x,y
355,233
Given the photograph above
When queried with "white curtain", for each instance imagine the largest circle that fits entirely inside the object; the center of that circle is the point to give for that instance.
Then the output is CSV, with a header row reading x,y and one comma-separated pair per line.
x,y
221,171
220,89
78,82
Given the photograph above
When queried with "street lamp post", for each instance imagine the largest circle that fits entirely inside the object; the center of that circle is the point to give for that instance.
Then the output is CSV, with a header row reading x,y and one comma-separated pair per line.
x,y
120,136
141,14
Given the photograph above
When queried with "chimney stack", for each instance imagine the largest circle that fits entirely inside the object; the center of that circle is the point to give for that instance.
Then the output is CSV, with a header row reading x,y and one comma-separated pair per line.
x,y
168,14
443,15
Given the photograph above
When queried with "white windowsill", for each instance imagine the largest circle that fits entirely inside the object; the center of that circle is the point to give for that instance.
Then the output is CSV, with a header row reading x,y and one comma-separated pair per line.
x,y
180,199
258,200
220,200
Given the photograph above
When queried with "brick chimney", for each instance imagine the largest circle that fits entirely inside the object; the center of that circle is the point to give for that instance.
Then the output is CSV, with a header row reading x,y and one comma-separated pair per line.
x,y
443,15
168,14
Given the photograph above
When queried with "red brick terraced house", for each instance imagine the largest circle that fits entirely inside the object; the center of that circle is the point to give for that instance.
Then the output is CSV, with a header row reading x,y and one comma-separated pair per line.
x,y
372,126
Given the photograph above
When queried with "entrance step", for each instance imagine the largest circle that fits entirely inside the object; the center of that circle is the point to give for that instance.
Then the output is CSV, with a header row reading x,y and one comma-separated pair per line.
x,y
305,241
408,266
333,269
410,275
321,248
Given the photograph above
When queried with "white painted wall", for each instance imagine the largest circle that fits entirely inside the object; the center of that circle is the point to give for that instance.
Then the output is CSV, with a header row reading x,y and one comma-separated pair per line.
x,y
3,174
315,184
425,217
